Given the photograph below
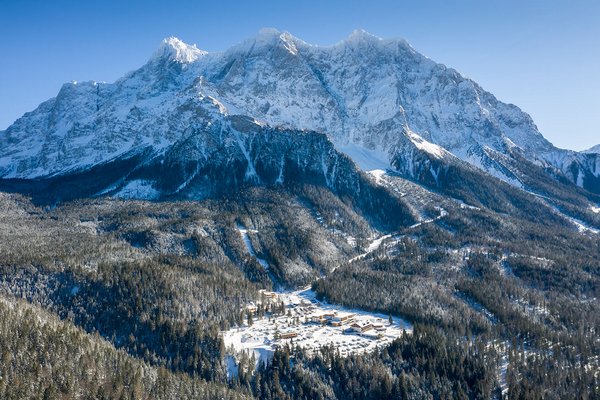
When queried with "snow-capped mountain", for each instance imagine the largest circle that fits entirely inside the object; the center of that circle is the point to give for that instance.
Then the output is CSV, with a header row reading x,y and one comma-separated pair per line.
x,y
594,149
378,101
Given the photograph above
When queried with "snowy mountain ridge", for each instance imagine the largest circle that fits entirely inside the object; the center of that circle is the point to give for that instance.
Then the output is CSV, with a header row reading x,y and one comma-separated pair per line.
x,y
376,99
176,50
594,149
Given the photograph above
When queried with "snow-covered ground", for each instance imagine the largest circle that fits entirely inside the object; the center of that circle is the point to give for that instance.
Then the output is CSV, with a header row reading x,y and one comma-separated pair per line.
x,y
502,371
244,233
582,227
502,348
138,189
366,159
595,209
301,306
442,214
378,175
374,245
426,146
464,205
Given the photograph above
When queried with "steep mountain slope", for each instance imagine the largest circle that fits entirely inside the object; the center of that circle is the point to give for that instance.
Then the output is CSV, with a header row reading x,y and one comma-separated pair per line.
x,y
376,100
594,149
27,331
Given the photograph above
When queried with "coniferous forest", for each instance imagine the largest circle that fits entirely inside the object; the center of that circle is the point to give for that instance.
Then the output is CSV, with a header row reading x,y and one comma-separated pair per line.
x,y
126,299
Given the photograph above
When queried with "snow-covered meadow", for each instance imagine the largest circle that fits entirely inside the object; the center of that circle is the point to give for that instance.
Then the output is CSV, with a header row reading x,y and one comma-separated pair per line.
x,y
267,333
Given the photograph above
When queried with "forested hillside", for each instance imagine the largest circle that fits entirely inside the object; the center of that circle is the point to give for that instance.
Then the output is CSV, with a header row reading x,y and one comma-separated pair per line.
x,y
140,286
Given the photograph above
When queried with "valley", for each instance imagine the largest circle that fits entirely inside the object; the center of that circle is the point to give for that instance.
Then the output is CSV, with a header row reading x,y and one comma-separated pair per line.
x,y
311,324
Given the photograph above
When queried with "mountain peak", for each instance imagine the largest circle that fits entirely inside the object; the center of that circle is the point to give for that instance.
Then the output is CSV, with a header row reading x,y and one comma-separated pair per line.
x,y
176,50
359,35
268,38
363,91
268,32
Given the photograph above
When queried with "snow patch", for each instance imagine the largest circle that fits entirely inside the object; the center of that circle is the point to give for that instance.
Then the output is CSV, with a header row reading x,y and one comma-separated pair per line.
x,y
244,233
442,214
232,367
491,169
580,177
250,171
374,245
138,189
179,51
366,159
426,146
464,205
378,175
581,227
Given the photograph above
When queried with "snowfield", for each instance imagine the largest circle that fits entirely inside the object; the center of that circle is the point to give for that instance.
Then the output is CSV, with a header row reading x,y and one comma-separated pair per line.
x,y
301,307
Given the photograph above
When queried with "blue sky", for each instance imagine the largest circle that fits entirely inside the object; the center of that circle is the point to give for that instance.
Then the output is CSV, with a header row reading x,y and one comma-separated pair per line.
x,y
543,56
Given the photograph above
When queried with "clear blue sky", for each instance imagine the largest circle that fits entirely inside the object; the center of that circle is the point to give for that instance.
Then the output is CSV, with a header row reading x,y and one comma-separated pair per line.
x,y
543,56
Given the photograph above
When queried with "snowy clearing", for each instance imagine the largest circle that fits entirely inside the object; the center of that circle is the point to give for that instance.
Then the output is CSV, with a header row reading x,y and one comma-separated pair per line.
x,y
374,245
244,233
366,159
464,205
312,324
138,189
443,213
581,227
